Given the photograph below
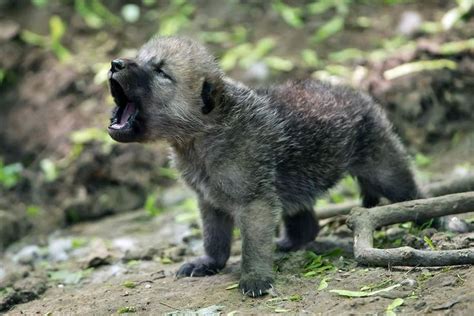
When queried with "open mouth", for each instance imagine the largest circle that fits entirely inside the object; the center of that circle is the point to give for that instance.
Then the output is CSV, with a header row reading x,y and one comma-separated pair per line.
x,y
126,112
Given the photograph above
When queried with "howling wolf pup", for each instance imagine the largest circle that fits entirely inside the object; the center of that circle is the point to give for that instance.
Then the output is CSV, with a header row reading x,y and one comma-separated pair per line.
x,y
254,156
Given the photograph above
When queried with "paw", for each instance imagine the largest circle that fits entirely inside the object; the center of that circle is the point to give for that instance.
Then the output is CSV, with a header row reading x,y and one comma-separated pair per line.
x,y
203,266
286,245
254,286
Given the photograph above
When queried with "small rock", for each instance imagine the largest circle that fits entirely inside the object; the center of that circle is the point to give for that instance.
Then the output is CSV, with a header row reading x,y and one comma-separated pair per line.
x,y
429,232
175,195
124,244
420,305
409,283
410,23
100,255
449,281
9,30
258,72
343,231
147,286
102,275
457,225
394,233
11,226
176,254
141,254
29,288
58,249
27,255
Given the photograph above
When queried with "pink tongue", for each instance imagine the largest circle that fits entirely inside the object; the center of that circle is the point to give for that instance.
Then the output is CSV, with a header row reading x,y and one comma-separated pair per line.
x,y
127,112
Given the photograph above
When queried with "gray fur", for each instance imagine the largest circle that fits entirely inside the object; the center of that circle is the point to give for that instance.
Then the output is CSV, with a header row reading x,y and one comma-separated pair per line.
x,y
256,156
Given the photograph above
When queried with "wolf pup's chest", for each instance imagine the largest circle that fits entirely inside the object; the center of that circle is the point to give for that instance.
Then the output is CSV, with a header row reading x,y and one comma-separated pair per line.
x,y
218,184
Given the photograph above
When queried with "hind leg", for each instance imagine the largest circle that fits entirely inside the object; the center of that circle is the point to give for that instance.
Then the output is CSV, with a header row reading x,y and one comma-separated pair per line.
x,y
386,174
299,229
394,184
370,194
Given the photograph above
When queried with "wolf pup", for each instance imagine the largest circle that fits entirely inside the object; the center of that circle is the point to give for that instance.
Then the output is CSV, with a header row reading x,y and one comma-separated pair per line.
x,y
254,156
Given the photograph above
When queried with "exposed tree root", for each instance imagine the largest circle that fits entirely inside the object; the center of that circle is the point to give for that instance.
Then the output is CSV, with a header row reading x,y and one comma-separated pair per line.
x,y
464,184
364,221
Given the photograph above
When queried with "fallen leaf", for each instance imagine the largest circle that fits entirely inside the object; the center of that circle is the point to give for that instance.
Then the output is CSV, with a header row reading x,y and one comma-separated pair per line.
x,y
349,293
233,286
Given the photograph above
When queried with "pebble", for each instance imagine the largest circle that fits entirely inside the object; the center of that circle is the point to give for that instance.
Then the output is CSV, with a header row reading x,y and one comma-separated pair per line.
x,y
410,23
411,283
455,224
395,233
9,30
3,273
258,71
27,255
58,249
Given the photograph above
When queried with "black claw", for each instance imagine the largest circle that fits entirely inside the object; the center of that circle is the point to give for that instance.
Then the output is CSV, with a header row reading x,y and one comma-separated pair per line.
x,y
255,288
198,268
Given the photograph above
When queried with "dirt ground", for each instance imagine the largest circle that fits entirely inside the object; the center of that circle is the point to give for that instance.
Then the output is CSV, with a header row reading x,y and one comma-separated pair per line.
x,y
86,240
134,259
126,263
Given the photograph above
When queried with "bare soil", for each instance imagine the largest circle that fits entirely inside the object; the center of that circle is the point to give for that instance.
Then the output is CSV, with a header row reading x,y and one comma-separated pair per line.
x,y
122,259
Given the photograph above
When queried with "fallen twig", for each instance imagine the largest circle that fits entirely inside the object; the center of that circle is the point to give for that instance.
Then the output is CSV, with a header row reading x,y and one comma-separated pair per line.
x,y
364,221
463,184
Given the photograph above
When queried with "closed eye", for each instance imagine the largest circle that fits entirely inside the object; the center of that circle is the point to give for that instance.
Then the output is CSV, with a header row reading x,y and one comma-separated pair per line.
x,y
158,70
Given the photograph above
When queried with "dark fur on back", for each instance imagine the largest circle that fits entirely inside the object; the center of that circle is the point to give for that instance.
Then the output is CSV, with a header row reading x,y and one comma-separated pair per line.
x,y
256,156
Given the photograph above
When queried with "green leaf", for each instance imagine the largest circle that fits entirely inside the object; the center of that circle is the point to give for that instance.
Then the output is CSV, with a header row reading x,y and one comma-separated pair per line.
x,y
169,173
66,277
166,260
10,174
56,28
429,242
349,293
33,38
127,309
150,205
321,6
131,12
233,286
282,310
33,210
394,304
129,284
346,55
323,284
88,135
328,29
457,47
310,58
257,52
279,63
422,160
291,15
101,10
40,3
417,66
295,298
49,169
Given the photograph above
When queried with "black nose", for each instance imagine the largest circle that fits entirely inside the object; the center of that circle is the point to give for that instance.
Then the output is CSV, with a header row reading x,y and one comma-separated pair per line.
x,y
117,64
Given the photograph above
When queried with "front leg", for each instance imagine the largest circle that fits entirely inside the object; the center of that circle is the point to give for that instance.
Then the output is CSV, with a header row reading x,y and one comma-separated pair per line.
x,y
217,233
257,222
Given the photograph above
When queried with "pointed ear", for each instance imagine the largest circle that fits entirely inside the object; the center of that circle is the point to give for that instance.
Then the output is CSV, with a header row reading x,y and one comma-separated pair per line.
x,y
208,97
